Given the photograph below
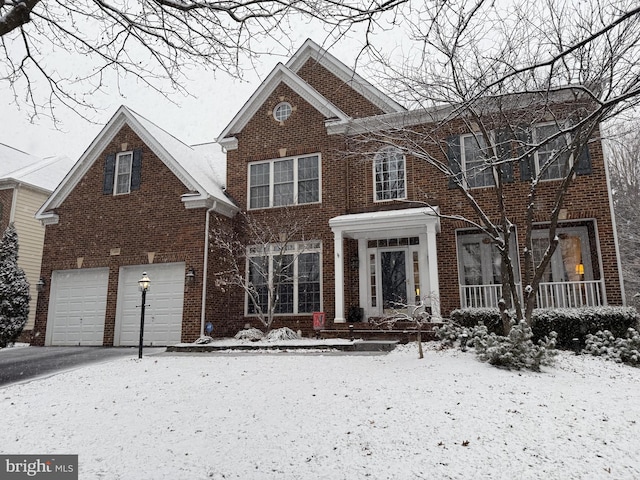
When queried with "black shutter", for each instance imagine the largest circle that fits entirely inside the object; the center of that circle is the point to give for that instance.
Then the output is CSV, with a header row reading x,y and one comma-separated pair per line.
x,y
454,158
583,166
136,169
109,173
503,144
523,136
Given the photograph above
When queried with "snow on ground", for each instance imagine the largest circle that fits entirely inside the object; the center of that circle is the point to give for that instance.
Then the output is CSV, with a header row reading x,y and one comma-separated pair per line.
x,y
332,416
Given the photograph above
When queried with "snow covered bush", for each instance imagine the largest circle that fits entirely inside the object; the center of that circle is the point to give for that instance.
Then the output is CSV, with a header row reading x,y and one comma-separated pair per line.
x,y
283,333
470,317
252,334
517,350
570,323
621,350
451,334
14,290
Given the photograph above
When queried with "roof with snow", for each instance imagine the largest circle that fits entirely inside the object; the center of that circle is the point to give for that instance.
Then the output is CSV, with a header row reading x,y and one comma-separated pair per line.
x,y
18,167
201,168
288,74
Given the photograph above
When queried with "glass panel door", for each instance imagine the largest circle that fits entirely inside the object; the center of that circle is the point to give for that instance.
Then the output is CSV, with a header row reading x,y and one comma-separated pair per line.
x,y
394,280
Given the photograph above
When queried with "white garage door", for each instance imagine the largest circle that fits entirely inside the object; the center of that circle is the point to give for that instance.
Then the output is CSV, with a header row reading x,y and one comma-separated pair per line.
x,y
163,313
77,307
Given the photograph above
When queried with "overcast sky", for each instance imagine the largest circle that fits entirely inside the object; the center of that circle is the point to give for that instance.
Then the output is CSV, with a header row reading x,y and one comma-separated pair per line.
x,y
201,118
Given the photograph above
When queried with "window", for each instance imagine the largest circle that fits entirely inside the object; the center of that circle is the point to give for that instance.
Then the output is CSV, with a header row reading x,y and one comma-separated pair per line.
x,y
282,111
571,261
480,269
478,171
294,270
389,174
289,181
124,162
122,172
553,159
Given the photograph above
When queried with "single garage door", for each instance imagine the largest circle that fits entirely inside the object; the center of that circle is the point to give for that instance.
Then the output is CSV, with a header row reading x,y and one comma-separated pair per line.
x,y
77,306
163,313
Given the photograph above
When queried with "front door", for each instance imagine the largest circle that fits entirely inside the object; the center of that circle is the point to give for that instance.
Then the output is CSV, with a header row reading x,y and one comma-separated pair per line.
x,y
393,267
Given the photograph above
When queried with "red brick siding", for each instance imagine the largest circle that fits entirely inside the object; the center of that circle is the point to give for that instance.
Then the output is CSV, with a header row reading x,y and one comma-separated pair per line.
x,y
152,219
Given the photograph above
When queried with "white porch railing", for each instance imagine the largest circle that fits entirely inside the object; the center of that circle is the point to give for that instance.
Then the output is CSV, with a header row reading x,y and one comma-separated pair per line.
x,y
550,295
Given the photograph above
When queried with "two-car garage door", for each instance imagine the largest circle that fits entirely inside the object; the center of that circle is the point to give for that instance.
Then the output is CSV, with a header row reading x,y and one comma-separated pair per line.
x,y
77,306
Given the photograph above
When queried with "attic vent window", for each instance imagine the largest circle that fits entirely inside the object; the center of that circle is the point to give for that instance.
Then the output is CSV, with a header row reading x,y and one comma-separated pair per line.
x,y
282,111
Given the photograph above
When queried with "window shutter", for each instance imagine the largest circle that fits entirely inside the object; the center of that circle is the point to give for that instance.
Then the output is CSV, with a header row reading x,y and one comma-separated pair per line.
x,y
109,172
136,169
583,166
523,136
503,144
454,158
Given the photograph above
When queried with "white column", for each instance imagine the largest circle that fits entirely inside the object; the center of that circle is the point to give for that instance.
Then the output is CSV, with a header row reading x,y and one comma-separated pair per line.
x,y
434,285
363,278
338,266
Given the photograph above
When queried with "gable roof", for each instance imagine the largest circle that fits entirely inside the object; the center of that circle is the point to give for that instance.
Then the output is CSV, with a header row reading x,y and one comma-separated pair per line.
x,y
202,172
288,74
311,50
18,167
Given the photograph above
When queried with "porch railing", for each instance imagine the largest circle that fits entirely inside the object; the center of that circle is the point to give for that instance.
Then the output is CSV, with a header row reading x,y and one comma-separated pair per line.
x,y
550,295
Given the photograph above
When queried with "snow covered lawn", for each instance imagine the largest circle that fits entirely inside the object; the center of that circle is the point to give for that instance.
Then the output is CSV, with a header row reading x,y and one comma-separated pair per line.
x,y
332,416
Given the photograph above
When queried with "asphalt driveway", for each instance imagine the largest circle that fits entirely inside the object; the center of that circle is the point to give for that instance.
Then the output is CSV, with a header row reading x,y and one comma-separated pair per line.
x,y
23,363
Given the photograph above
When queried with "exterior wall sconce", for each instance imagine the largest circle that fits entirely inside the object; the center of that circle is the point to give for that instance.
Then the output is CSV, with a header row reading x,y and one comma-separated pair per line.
x,y
191,276
580,269
40,285
354,263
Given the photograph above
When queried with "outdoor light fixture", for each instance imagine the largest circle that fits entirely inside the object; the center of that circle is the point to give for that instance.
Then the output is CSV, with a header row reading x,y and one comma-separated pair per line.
x,y
144,283
41,284
580,269
355,262
191,276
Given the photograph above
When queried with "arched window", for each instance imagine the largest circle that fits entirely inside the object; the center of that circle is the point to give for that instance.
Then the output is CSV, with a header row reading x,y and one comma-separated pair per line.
x,y
389,175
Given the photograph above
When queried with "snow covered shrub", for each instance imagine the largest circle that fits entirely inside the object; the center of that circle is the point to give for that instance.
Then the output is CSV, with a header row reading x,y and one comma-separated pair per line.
x,y
14,290
283,333
570,323
252,334
451,334
621,350
203,340
517,350
470,317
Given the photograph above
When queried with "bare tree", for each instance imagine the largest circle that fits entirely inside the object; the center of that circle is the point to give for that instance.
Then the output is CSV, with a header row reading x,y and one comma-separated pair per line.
x,y
261,258
154,41
623,145
497,73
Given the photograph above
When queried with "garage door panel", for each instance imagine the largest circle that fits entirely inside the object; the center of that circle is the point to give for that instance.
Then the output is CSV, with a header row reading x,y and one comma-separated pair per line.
x,y
164,304
77,307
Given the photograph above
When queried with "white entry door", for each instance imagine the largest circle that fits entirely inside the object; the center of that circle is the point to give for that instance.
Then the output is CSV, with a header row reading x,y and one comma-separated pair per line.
x,y
77,306
163,311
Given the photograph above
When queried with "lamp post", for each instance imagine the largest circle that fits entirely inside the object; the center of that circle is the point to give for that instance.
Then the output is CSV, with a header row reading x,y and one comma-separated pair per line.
x,y
144,283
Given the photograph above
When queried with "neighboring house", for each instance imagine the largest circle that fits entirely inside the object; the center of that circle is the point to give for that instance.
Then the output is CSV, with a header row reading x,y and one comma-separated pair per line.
x,y
376,241
138,200
25,183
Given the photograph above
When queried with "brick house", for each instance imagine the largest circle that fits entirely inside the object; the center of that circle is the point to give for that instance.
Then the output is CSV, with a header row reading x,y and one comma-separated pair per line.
x,y
375,240
138,200
369,237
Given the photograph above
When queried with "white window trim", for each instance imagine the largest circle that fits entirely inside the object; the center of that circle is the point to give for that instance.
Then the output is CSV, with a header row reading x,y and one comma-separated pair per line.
x,y
373,170
271,163
284,105
296,249
115,174
463,160
536,158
